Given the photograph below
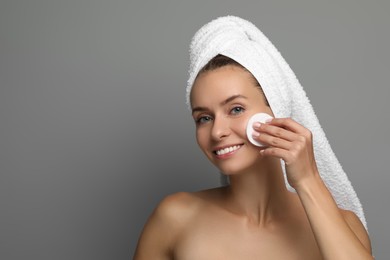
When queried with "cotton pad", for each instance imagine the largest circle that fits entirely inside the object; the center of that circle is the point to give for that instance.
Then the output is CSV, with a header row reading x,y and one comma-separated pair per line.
x,y
259,117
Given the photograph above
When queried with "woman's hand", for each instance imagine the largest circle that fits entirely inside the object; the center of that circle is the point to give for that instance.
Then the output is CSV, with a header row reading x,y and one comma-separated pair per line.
x,y
290,141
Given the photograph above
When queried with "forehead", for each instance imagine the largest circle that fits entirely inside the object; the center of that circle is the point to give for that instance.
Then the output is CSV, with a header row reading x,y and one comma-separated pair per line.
x,y
219,84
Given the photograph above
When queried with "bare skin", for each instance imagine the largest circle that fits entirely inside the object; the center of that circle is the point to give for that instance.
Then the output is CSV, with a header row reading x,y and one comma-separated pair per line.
x,y
255,217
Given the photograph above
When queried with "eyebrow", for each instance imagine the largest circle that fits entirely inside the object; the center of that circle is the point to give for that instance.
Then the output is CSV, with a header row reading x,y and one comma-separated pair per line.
x,y
229,99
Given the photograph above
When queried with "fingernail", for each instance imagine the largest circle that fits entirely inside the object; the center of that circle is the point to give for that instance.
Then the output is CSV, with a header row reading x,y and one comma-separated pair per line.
x,y
268,120
256,125
256,134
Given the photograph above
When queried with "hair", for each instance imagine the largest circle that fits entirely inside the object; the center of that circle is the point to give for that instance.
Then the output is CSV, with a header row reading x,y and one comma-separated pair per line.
x,y
221,61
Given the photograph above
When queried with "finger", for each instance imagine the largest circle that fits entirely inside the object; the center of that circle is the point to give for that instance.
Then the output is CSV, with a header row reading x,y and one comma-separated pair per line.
x,y
276,152
276,131
288,123
273,141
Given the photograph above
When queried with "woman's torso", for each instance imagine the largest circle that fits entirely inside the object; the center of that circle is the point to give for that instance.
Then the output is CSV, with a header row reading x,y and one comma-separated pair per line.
x,y
213,232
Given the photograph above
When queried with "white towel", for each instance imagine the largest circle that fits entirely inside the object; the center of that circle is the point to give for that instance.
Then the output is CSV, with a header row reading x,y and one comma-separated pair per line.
x,y
242,41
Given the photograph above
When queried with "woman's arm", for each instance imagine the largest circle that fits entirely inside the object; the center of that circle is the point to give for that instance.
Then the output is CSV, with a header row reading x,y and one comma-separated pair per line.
x,y
339,234
156,238
161,231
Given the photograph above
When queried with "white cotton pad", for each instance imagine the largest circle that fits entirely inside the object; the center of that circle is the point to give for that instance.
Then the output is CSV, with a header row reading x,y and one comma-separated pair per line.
x,y
259,117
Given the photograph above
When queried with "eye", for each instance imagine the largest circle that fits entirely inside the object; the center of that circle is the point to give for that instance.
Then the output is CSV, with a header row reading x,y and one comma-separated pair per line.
x,y
203,119
237,110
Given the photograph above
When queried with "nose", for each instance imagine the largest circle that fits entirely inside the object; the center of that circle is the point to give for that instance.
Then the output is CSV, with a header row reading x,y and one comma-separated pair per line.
x,y
221,128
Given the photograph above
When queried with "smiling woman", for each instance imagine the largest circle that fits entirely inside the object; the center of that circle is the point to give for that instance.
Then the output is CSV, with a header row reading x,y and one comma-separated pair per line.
x,y
222,101
283,200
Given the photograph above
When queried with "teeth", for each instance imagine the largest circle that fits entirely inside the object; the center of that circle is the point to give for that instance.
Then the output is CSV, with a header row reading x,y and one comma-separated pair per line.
x,y
228,149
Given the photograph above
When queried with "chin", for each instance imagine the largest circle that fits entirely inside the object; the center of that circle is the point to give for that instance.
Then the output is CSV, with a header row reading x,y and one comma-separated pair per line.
x,y
234,167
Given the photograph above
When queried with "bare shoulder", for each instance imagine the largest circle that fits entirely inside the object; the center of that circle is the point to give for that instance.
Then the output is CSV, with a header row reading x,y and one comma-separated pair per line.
x,y
357,227
182,207
178,207
164,226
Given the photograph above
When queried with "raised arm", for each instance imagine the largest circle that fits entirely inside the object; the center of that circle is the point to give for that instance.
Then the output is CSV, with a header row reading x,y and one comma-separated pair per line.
x,y
339,234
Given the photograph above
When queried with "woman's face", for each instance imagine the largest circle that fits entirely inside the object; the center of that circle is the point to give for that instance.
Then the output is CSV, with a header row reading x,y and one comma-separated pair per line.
x,y
222,101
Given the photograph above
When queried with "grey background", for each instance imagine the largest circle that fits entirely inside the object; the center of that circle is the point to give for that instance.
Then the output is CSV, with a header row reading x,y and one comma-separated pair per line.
x,y
94,130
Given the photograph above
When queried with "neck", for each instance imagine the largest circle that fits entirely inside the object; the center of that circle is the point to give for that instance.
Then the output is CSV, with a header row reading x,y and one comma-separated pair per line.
x,y
259,195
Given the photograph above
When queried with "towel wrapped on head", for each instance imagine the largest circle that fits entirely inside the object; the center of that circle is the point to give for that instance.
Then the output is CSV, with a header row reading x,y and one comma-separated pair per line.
x,y
242,41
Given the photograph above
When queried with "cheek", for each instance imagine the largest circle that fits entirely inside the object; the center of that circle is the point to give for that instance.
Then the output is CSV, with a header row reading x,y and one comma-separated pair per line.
x,y
201,138
240,126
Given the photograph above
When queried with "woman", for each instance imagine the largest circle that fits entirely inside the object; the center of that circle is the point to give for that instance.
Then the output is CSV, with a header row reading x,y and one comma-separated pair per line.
x,y
276,205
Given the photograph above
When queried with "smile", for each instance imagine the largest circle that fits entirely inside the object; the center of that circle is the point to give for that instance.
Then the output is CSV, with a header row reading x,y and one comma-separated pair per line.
x,y
227,149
